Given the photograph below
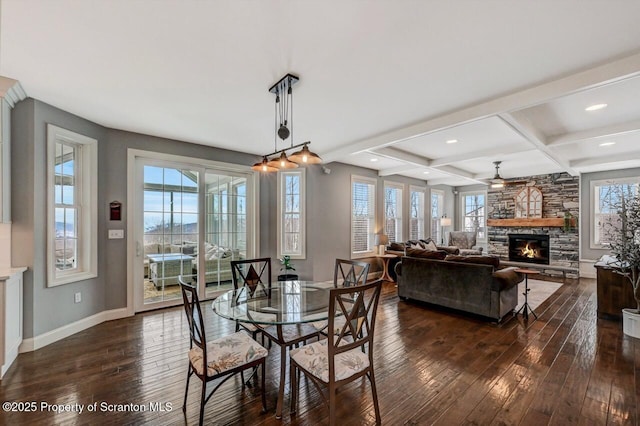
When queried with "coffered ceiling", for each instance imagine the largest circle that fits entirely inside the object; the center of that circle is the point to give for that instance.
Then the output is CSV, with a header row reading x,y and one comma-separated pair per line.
x,y
383,84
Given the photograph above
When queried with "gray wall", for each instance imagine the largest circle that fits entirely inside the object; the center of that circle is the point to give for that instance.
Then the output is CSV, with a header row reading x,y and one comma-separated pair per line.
x,y
328,216
46,309
587,253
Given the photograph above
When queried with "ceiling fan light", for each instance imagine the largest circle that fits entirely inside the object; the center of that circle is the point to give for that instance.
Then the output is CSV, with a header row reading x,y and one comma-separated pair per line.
x,y
497,185
304,156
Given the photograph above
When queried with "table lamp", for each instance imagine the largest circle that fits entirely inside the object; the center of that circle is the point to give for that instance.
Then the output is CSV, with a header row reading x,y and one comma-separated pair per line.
x,y
444,222
381,240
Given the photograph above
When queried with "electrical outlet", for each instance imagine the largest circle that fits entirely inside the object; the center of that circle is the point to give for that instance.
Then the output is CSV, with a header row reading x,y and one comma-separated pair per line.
x,y
78,297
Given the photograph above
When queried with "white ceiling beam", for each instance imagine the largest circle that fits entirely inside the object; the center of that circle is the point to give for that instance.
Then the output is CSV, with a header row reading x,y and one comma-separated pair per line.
x,y
407,157
606,159
522,125
594,134
601,75
416,160
447,181
398,170
485,153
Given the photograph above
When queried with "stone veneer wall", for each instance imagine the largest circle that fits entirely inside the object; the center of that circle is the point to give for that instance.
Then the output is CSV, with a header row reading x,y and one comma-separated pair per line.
x,y
560,194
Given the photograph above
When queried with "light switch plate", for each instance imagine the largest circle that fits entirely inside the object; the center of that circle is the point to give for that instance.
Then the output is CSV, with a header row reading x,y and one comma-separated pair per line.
x,y
116,234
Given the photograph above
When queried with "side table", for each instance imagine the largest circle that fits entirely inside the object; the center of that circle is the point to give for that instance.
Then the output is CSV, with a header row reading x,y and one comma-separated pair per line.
x,y
526,308
385,266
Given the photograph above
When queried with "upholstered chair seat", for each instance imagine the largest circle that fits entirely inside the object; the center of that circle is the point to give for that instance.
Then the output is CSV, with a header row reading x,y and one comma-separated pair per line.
x,y
227,353
465,241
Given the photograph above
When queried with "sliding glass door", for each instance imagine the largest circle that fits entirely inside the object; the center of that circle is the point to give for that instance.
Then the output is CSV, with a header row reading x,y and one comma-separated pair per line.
x,y
170,230
190,220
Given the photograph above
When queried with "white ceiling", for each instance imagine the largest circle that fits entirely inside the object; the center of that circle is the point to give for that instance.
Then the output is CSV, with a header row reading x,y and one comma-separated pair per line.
x,y
391,80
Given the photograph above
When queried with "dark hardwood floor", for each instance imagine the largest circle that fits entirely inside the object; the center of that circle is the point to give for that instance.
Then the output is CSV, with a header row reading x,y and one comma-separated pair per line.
x,y
433,366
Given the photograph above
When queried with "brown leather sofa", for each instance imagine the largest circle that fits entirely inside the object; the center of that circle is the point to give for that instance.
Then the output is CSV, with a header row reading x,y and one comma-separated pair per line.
x,y
474,284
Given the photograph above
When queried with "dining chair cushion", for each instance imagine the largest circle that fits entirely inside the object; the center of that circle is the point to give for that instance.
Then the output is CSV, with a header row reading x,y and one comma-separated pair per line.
x,y
324,324
314,358
226,353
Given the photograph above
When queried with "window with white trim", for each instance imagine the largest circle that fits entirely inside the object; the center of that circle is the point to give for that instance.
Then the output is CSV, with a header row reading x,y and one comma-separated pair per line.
x,y
291,213
416,213
393,211
605,201
72,164
437,211
473,213
363,216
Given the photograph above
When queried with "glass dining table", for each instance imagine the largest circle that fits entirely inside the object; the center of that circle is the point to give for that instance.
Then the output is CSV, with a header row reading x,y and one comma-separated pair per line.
x,y
285,308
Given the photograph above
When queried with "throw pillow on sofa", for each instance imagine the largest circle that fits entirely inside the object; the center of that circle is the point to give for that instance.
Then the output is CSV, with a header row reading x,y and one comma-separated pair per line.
x,y
479,260
397,246
426,254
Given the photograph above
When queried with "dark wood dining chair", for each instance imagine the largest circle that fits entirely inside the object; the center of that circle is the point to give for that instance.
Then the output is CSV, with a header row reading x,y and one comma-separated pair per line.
x,y
350,273
332,363
255,276
221,358
347,273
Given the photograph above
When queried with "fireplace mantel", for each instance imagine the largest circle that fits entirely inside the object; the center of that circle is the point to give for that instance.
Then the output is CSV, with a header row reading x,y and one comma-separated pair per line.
x,y
529,222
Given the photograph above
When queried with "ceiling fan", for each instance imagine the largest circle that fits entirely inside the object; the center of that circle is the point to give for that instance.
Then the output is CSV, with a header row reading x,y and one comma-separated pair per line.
x,y
498,182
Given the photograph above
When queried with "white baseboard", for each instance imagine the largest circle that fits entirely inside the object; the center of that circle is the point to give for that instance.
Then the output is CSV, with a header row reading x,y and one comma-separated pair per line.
x,y
586,268
34,343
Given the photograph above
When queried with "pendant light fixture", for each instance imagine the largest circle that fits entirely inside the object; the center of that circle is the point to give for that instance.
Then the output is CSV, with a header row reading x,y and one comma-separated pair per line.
x,y
497,181
283,90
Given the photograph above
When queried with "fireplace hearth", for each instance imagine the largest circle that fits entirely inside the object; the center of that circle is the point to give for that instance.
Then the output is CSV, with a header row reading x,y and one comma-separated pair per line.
x,y
529,248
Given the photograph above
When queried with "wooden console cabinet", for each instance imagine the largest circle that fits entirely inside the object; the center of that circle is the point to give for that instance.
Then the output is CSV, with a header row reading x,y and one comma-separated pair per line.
x,y
614,290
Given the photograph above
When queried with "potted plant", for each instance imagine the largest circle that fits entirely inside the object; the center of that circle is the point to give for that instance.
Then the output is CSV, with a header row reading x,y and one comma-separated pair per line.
x,y
287,267
624,234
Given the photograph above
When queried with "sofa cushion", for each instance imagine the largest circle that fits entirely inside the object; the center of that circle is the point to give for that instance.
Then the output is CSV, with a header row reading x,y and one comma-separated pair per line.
x,y
506,278
478,260
397,246
431,246
426,254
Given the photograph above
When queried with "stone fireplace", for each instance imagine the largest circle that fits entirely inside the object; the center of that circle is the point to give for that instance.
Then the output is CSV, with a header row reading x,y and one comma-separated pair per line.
x,y
529,248
560,197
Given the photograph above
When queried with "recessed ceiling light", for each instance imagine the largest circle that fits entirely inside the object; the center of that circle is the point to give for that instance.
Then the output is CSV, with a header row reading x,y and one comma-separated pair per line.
x,y
607,143
426,173
595,107
452,141
373,159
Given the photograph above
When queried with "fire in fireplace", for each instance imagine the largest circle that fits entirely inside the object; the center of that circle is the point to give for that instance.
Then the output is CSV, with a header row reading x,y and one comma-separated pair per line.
x,y
530,248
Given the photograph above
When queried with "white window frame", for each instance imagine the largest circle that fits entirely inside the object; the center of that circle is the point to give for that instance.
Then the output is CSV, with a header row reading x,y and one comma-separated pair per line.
x,y
594,241
462,213
439,231
372,219
421,217
301,174
87,220
399,210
